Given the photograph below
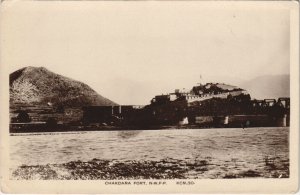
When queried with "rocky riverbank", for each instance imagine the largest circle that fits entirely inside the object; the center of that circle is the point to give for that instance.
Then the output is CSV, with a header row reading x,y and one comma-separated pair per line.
x,y
98,169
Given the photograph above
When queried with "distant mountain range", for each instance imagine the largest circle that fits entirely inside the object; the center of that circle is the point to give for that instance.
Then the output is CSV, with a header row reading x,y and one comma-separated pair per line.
x,y
268,86
37,85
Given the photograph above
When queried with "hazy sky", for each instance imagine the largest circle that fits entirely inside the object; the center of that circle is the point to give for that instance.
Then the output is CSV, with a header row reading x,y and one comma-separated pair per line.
x,y
130,51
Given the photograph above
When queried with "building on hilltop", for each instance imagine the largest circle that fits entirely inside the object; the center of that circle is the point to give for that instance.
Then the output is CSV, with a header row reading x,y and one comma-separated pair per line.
x,y
200,93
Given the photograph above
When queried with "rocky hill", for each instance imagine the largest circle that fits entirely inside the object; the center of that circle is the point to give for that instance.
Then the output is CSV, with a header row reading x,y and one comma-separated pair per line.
x,y
37,85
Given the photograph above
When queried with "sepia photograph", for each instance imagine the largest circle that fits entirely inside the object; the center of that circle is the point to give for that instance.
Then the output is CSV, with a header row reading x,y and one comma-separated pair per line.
x,y
142,93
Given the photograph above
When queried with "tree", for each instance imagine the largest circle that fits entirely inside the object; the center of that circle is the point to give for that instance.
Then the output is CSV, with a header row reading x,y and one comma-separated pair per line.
x,y
23,117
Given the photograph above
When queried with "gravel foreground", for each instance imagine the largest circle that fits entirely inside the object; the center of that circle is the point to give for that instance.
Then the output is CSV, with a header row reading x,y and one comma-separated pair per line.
x,y
98,169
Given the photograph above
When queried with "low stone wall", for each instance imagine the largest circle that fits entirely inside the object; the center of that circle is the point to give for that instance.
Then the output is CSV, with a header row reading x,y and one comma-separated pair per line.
x,y
242,121
42,113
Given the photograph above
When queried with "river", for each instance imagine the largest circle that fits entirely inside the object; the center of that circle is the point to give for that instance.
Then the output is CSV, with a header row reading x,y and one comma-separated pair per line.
x,y
225,149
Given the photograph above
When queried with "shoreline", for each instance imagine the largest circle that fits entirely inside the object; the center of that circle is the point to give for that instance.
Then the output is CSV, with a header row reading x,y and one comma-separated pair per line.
x,y
86,131
32,128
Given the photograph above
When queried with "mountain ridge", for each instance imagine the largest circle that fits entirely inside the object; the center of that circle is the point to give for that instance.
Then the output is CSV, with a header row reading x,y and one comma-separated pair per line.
x,y
38,85
268,86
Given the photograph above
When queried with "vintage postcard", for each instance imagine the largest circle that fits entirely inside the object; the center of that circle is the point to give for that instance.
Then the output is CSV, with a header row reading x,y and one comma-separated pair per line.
x,y
149,96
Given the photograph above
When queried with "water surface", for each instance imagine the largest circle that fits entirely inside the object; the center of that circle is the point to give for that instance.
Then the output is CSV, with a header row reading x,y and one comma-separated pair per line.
x,y
224,149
